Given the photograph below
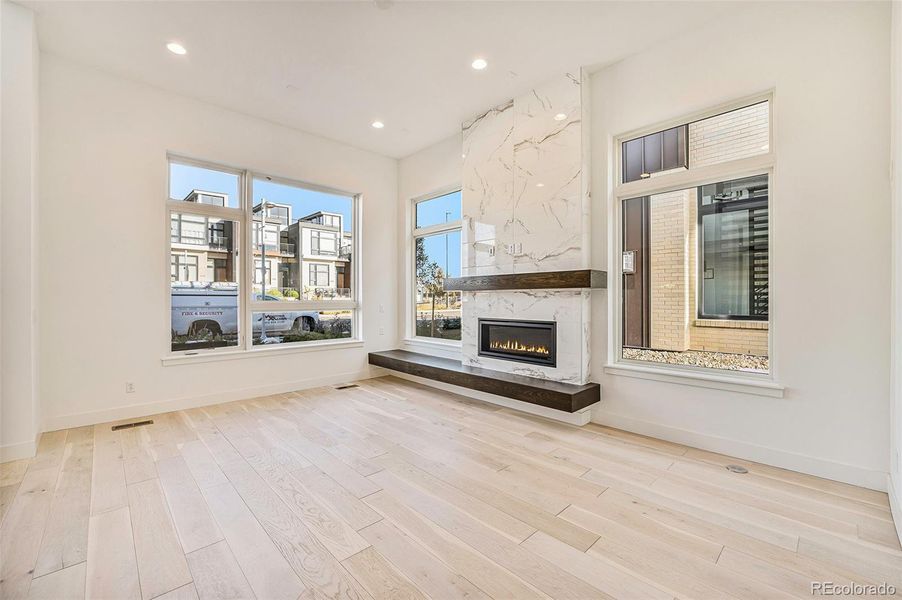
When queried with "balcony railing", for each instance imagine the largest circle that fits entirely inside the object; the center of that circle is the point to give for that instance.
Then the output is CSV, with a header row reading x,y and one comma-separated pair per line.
x,y
220,242
309,293
327,293
217,242
283,249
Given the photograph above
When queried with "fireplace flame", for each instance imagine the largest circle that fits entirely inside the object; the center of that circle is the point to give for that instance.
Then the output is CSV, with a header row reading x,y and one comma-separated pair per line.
x,y
515,346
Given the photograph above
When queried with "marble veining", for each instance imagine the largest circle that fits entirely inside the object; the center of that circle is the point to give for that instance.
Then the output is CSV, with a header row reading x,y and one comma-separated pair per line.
x,y
526,209
488,179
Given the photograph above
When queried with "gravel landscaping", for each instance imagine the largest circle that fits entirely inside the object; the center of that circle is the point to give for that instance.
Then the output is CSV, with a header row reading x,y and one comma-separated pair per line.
x,y
699,358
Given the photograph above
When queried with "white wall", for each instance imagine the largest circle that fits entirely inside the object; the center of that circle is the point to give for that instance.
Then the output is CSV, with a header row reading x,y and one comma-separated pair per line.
x,y
433,169
104,259
828,65
20,412
896,352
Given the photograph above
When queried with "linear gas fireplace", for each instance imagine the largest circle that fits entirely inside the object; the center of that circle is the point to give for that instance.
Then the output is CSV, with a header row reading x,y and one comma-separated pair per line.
x,y
523,341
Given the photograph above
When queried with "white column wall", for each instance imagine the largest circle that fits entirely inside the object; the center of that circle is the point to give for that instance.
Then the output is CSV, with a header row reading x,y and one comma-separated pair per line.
x,y
895,483
434,169
20,415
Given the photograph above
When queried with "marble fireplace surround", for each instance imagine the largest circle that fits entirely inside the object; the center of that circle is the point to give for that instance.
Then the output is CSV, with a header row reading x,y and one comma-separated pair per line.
x,y
525,196
569,309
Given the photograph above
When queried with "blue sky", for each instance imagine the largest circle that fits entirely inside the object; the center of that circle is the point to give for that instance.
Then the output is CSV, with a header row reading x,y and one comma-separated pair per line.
x,y
441,210
435,250
184,178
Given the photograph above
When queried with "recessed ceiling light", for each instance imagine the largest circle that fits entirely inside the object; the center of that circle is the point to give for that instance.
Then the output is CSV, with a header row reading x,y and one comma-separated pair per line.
x,y
540,185
560,117
378,124
479,64
176,48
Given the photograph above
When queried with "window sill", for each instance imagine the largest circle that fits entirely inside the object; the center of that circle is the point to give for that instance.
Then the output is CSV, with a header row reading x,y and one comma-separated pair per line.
x,y
419,341
731,383
204,357
446,348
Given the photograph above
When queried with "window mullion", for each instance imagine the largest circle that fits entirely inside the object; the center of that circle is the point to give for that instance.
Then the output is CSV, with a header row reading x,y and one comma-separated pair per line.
x,y
247,262
695,177
439,228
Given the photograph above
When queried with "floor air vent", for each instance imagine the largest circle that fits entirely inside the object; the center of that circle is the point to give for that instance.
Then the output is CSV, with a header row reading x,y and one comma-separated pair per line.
x,y
345,387
130,425
736,469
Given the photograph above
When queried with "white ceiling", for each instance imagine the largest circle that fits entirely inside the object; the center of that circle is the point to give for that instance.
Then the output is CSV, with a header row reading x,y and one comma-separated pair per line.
x,y
332,68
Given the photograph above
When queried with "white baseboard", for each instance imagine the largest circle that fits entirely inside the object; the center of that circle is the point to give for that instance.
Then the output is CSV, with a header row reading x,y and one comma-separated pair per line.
x,y
853,474
895,503
578,418
17,451
143,410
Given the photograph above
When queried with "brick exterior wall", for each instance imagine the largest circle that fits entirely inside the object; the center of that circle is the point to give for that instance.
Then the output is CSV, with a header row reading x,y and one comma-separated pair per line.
x,y
670,289
741,337
737,134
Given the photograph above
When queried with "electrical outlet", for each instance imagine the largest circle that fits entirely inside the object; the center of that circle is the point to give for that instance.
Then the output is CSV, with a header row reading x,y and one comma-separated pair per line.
x,y
129,387
382,331
381,308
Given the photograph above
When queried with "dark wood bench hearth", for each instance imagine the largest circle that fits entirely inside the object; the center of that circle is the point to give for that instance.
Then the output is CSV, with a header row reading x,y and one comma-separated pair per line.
x,y
551,394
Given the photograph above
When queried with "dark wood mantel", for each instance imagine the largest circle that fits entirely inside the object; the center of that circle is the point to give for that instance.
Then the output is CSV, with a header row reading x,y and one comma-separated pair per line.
x,y
544,280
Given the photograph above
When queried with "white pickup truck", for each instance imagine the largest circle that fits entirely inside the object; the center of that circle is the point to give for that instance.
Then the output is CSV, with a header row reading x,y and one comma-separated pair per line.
x,y
213,307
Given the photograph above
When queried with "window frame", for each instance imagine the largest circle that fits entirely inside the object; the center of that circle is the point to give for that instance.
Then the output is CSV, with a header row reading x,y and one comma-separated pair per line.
x,y
314,271
178,265
242,216
317,236
413,234
759,164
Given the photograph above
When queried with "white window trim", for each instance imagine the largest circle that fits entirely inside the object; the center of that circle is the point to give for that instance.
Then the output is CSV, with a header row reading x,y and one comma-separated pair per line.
x,y
192,357
410,329
765,384
243,217
698,377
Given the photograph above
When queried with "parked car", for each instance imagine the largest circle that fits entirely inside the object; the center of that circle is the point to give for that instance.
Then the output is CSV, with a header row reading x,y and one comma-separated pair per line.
x,y
210,310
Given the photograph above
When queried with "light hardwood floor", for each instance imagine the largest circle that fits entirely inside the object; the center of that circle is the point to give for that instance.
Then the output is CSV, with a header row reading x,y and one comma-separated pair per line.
x,y
396,490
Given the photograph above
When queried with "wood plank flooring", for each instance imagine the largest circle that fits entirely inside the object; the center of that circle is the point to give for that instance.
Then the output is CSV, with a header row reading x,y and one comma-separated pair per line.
x,y
395,490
